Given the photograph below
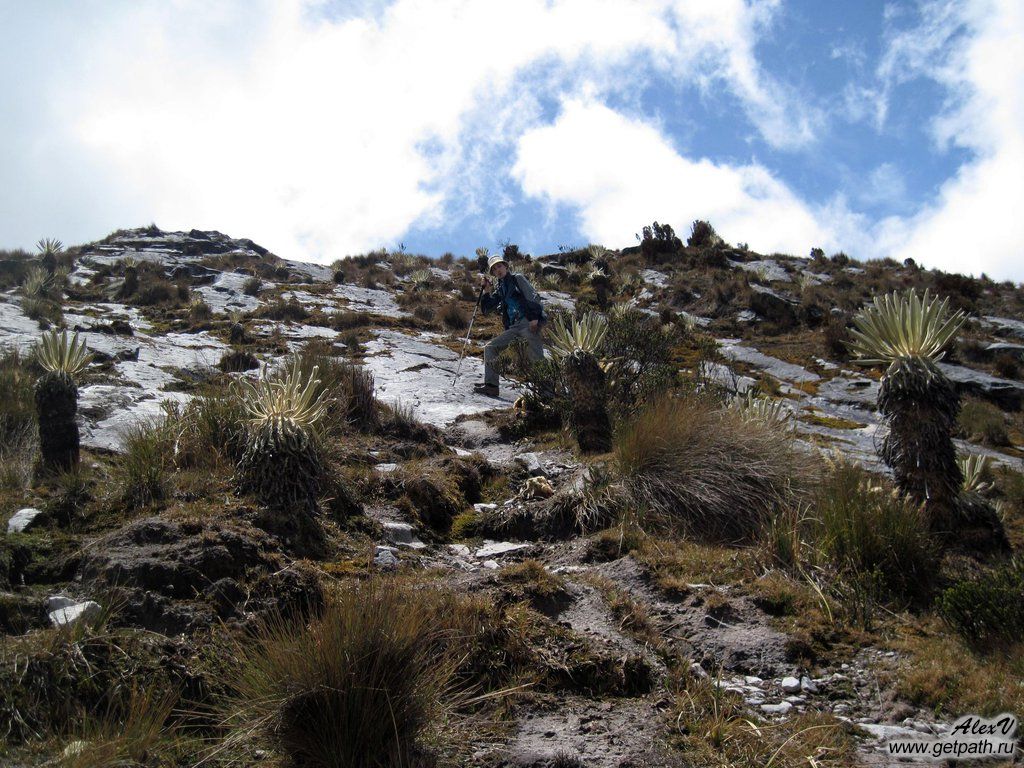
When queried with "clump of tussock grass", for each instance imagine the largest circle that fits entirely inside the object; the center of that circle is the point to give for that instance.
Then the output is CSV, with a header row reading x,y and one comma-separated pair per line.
x,y
19,438
79,681
868,531
143,472
348,388
688,465
208,432
362,685
126,735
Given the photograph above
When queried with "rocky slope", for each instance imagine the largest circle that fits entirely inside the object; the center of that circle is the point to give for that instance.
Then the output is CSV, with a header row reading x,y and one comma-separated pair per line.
x,y
179,565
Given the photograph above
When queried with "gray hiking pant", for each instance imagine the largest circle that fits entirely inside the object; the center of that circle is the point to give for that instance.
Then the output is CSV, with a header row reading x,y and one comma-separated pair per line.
x,y
520,330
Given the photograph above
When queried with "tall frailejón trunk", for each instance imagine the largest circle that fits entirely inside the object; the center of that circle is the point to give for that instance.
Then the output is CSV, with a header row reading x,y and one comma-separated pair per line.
x,y
588,391
920,406
56,405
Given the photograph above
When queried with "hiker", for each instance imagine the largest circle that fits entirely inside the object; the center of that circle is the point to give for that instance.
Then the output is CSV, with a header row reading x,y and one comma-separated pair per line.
x,y
521,314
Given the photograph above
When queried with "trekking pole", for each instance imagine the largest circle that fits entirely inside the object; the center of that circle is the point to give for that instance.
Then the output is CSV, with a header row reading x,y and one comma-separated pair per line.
x,y
466,342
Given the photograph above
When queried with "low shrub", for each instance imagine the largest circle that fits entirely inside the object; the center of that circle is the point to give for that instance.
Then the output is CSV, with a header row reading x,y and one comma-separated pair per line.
x,y
199,311
345,320
835,336
987,611
284,310
638,349
983,422
871,535
453,316
237,361
155,291
1007,366
690,466
358,687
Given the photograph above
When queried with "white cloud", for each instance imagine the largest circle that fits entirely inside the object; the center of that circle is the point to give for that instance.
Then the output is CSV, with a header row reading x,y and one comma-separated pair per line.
x,y
622,173
304,128
973,50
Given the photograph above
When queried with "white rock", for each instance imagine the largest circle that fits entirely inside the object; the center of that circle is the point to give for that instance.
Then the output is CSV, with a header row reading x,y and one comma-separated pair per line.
x,y
532,464
752,680
421,374
56,602
807,685
497,548
385,558
776,709
795,699
460,549
71,614
492,564
23,519
697,670
386,468
485,507
790,684
402,535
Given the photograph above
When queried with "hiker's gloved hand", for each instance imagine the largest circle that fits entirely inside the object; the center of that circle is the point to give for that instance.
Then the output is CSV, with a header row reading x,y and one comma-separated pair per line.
x,y
485,281
533,326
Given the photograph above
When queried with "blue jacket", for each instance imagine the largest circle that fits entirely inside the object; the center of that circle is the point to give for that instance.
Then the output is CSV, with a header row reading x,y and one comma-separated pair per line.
x,y
515,291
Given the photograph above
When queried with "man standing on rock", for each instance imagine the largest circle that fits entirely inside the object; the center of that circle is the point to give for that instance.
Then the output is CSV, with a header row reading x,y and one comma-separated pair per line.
x,y
521,314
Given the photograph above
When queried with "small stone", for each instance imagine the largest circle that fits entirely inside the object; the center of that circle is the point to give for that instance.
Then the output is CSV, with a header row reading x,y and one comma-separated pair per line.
x,y
401,534
697,670
56,602
385,558
531,463
460,549
71,614
807,685
790,684
386,468
752,680
485,507
795,699
24,519
496,548
492,564
776,709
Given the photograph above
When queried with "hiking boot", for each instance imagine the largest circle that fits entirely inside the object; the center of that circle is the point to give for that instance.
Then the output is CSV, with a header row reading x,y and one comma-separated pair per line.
x,y
490,390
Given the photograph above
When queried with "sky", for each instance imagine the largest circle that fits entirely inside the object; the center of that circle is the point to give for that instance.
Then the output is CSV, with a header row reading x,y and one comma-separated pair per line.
x,y
323,129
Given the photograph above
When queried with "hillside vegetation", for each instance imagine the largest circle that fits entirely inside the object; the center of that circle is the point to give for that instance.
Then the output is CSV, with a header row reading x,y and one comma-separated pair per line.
x,y
751,510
